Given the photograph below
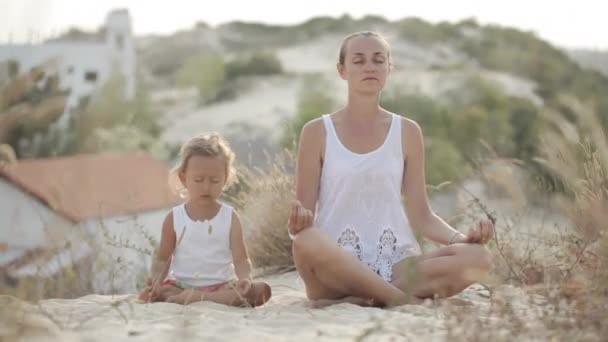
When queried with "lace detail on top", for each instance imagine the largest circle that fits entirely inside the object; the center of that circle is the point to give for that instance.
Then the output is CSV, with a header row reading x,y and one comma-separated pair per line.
x,y
388,250
350,241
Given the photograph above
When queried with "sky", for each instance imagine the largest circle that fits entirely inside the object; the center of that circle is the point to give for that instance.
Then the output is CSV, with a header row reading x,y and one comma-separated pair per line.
x,y
571,24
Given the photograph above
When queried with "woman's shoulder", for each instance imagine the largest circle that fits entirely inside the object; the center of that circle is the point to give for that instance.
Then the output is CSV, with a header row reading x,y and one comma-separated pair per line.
x,y
411,133
313,130
411,137
314,126
408,126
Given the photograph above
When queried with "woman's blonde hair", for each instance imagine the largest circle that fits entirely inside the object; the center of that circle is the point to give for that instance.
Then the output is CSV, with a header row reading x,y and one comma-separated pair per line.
x,y
342,54
204,145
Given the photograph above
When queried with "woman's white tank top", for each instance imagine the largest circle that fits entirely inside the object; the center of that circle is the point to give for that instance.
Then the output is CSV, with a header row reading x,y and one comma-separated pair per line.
x,y
360,203
202,248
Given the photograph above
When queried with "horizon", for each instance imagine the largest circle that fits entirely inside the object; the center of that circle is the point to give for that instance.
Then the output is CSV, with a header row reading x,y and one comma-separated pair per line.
x,y
34,21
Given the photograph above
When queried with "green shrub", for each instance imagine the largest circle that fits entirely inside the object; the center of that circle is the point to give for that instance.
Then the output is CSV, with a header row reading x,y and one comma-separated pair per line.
x,y
314,100
206,72
255,64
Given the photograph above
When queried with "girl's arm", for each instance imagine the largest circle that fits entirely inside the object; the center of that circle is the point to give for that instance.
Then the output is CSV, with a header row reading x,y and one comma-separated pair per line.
x,y
160,266
419,212
240,257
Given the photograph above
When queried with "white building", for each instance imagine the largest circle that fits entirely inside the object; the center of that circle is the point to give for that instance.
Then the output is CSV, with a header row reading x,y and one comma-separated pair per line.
x,y
96,212
82,66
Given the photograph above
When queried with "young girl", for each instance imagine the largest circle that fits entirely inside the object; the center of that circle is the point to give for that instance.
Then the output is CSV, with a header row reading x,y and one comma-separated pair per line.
x,y
353,239
202,239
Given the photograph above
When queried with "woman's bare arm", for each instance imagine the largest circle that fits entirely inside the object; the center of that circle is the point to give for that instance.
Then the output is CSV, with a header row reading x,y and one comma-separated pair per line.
x,y
419,212
308,174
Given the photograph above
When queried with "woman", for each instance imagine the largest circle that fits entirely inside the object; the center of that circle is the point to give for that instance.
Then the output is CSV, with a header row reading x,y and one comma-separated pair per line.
x,y
353,166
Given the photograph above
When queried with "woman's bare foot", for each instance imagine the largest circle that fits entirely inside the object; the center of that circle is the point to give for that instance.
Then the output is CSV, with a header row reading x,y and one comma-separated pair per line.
x,y
406,300
457,301
321,303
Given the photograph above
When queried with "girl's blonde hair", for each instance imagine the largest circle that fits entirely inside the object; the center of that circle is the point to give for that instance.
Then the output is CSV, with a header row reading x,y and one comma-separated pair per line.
x,y
342,54
204,145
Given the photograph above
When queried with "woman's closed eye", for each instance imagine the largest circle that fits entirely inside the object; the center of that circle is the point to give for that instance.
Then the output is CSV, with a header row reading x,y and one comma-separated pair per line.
x,y
377,61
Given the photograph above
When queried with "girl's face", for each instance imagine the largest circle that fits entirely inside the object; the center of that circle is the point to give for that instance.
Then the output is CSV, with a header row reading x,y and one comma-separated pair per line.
x,y
204,178
366,64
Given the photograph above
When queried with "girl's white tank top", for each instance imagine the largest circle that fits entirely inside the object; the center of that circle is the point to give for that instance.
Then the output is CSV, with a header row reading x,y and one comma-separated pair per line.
x,y
202,254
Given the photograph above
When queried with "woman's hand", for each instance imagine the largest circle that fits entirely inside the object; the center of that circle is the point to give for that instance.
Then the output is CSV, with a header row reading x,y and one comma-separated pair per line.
x,y
482,232
299,218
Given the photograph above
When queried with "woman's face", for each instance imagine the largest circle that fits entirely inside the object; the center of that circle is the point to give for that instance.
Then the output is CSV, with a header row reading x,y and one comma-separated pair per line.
x,y
366,64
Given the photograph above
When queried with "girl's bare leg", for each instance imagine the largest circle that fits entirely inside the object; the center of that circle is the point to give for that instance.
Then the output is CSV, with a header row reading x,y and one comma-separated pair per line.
x,y
254,294
165,291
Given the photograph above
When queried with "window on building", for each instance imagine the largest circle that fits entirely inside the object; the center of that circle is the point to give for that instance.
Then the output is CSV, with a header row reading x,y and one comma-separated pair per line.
x,y
13,68
90,76
120,41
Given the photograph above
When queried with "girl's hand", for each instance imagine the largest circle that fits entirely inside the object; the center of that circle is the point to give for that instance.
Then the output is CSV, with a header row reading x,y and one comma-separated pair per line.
x,y
150,293
154,289
482,232
299,218
243,287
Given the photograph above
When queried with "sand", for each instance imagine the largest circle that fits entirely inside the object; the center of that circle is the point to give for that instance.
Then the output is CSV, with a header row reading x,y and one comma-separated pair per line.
x,y
286,317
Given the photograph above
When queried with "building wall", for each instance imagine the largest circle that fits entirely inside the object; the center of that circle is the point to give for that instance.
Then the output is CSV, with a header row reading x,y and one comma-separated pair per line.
x,y
25,222
83,66
121,43
118,248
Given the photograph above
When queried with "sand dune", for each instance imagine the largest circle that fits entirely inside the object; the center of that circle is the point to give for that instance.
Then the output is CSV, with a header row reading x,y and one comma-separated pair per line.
x,y
264,106
286,317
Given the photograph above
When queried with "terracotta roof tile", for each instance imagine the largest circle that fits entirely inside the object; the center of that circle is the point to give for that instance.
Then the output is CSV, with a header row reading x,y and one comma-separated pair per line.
x,y
87,186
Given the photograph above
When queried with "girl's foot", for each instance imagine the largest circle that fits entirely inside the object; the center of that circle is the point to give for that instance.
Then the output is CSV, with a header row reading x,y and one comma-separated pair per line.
x,y
253,293
146,296
185,297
